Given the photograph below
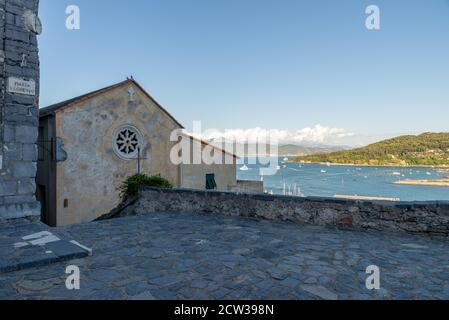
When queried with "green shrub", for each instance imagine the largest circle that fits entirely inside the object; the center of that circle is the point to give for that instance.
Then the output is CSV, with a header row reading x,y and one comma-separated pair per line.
x,y
131,186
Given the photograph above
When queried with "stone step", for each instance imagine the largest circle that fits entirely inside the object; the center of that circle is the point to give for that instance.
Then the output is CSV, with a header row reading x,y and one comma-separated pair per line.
x,y
31,245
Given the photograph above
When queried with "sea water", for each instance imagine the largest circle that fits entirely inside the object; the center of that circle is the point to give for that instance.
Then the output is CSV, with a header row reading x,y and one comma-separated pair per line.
x,y
328,181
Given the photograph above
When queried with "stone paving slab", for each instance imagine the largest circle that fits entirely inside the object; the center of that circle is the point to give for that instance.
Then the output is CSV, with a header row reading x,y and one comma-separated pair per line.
x,y
31,245
190,256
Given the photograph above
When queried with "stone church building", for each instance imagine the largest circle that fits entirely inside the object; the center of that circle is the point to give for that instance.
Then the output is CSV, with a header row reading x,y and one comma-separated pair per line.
x,y
64,163
90,144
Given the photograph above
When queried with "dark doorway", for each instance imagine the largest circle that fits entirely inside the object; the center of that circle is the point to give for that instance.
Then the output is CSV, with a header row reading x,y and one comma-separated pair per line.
x,y
210,182
42,198
46,170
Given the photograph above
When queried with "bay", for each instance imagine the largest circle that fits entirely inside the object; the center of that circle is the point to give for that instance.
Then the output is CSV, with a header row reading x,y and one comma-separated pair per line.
x,y
328,181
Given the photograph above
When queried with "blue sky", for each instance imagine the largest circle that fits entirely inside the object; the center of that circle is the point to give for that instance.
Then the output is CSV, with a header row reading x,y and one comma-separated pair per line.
x,y
286,64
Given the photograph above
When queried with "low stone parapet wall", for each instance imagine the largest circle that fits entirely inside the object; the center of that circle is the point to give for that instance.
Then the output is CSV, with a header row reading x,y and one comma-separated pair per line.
x,y
247,186
417,217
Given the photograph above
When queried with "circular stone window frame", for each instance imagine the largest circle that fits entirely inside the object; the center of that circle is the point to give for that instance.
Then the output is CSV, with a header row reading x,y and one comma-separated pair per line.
x,y
133,155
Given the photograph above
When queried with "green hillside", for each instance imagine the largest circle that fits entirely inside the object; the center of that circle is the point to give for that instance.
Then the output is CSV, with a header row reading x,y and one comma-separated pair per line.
x,y
429,149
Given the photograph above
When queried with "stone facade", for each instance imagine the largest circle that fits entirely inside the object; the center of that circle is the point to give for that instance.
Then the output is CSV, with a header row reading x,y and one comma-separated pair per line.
x,y
88,181
192,176
85,182
416,217
19,68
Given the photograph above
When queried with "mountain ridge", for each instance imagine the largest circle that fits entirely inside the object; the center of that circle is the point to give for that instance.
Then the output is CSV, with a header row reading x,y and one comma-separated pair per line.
x,y
302,150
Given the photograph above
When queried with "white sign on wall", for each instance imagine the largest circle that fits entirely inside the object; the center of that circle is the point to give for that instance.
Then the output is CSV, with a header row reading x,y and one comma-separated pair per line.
x,y
26,87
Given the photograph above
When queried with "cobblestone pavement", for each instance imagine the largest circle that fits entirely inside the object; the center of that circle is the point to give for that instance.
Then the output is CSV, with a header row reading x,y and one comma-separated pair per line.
x,y
187,256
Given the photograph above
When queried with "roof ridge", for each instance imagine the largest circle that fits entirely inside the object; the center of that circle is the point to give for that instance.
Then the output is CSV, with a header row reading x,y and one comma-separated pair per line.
x,y
206,143
68,103
54,107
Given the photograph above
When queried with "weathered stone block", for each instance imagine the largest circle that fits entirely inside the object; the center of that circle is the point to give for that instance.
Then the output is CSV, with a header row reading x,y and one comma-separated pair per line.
x,y
25,169
19,210
8,188
19,199
29,120
26,134
14,109
26,186
10,18
29,152
9,133
12,152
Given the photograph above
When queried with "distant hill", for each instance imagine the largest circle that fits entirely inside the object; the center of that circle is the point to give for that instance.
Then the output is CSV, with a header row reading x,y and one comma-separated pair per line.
x,y
295,150
428,149
243,150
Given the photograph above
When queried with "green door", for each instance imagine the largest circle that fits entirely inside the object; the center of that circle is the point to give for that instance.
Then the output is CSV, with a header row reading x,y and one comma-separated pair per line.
x,y
210,182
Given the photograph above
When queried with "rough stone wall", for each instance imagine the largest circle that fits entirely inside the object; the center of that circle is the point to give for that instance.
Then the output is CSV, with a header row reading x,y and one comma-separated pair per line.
x,y
417,217
19,68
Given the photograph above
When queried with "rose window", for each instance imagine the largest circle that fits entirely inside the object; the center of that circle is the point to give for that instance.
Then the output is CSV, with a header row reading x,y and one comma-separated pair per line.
x,y
127,141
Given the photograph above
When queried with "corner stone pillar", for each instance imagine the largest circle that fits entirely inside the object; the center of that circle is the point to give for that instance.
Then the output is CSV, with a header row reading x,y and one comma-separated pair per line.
x,y
19,101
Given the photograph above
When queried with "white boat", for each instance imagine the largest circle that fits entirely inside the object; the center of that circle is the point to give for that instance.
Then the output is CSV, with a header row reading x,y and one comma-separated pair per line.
x,y
244,168
323,171
285,159
396,173
429,173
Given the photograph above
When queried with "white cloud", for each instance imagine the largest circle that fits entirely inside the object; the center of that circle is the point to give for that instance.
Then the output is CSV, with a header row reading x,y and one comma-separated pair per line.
x,y
317,134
